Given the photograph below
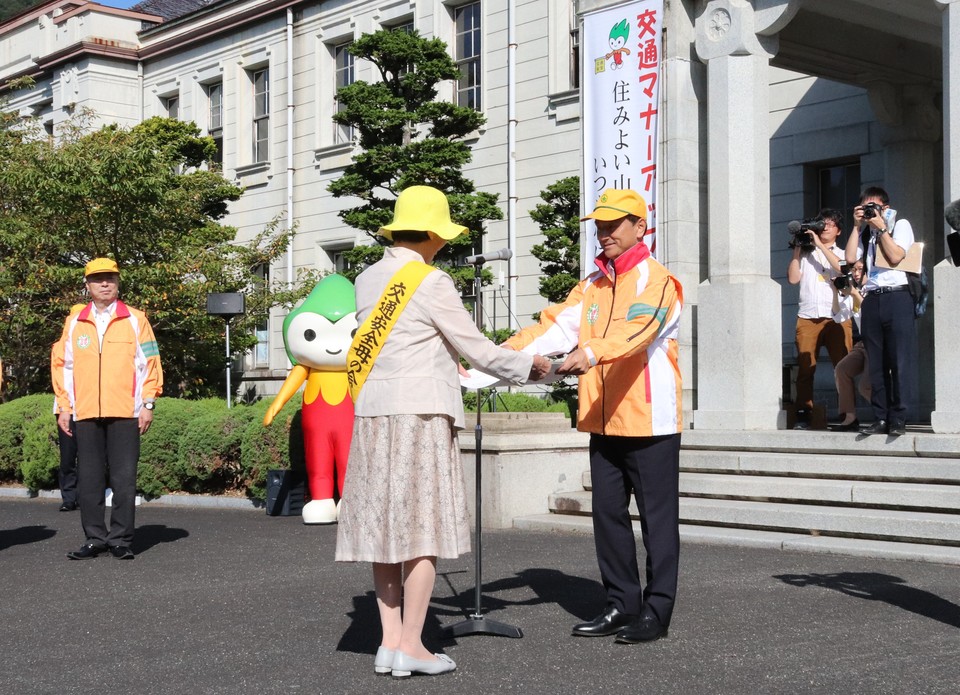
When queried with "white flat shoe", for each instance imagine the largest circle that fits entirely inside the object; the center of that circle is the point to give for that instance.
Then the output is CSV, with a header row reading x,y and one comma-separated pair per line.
x,y
383,664
405,666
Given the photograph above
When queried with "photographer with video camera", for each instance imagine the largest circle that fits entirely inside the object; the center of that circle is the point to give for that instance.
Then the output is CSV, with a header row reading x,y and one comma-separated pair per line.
x,y
815,263
887,313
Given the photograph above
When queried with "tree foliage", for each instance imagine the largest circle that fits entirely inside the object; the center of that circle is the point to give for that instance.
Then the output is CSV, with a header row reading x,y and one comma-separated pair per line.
x,y
135,195
408,138
559,220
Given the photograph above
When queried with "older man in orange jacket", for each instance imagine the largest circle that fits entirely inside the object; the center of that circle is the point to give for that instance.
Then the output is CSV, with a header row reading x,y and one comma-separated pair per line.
x,y
110,380
620,327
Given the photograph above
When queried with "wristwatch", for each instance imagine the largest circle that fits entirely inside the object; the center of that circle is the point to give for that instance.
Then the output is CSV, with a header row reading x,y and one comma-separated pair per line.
x,y
149,405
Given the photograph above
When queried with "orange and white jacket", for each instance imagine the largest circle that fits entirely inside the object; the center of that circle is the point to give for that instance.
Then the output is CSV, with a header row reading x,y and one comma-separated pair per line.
x,y
626,318
92,380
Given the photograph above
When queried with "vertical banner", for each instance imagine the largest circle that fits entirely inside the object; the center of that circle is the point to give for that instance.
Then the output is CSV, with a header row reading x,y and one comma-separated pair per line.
x,y
620,101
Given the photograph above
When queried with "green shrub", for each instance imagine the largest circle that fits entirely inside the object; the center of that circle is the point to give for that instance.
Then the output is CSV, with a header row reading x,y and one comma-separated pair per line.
x,y
41,456
514,403
263,448
158,471
14,417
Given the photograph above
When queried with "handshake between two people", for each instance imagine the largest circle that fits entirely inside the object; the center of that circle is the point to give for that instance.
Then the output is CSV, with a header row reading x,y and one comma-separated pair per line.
x,y
575,364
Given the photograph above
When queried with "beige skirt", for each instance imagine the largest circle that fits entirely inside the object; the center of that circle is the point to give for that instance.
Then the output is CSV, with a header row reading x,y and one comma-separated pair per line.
x,y
404,495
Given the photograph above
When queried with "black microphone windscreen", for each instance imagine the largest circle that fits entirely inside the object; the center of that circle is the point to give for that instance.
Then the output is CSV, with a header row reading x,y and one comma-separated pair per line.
x,y
793,226
951,214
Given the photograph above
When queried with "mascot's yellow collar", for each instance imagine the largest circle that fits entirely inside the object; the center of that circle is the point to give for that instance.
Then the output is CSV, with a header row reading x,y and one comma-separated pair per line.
x,y
331,385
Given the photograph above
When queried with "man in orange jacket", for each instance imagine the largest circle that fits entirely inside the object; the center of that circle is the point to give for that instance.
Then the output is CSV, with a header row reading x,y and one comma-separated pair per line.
x,y
620,328
110,380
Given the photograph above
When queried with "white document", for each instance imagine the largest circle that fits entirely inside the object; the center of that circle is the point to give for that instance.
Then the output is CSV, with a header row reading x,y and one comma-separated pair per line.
x,y
482,380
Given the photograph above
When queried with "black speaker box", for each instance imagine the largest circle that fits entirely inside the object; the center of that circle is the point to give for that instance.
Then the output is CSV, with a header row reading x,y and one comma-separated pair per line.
x,y
285,492
225,304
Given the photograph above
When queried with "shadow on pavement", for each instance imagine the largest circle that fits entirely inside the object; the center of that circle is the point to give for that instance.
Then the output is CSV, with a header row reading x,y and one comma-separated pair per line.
x,y
874,586
24,535
153,534
580,597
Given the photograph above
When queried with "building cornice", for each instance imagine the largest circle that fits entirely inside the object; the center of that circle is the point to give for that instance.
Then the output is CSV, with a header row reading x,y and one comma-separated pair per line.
x,y
161,46
91,47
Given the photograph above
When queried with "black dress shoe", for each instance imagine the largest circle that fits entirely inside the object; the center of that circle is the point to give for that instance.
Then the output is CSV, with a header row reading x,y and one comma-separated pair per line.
x,y
68,507
87,551
878,427
121,552
607,623
849,427
897,428
646,628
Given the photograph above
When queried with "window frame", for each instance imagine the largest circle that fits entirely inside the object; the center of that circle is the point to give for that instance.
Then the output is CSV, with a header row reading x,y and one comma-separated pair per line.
x,y
470,66
260,121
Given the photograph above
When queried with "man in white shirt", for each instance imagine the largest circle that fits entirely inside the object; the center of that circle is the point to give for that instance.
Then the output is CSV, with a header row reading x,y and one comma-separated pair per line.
x,y
819,323
887,312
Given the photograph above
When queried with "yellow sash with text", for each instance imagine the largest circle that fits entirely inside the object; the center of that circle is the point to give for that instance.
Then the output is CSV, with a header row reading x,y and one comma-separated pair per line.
x,y
371,336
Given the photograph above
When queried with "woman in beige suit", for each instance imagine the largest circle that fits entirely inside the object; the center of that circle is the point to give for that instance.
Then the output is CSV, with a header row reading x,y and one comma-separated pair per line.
x,y
404,500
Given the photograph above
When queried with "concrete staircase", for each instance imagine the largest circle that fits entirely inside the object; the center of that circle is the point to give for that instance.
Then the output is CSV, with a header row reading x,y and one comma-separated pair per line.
x,y
817,491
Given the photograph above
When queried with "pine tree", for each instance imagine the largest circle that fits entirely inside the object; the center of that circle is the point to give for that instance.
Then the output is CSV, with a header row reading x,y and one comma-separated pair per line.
x,y
408,138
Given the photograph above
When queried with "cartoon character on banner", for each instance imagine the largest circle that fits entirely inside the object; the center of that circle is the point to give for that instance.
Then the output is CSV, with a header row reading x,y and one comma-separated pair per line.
x,y
317,335
618,44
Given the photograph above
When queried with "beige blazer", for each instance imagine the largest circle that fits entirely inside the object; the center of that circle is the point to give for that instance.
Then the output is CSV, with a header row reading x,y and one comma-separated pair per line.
x,y
416,371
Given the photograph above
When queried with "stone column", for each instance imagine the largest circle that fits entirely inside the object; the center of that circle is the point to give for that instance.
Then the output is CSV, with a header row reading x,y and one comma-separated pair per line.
x,y
739,369
946,278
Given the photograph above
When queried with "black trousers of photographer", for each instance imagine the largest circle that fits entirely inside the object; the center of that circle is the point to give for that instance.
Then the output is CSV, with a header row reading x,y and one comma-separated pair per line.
x,y
108,446
889,335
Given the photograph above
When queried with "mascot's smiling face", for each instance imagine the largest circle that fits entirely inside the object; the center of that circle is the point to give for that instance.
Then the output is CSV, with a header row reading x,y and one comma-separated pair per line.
x,y
318,333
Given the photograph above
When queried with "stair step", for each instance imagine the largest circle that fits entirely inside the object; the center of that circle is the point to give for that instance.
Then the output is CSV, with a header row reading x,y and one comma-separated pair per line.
x,y
714,535
888,524
804,464
849,492
821,490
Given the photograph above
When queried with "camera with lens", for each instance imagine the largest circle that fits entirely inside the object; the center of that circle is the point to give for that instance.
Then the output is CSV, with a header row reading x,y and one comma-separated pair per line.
x,y
800,230
871,210
842,282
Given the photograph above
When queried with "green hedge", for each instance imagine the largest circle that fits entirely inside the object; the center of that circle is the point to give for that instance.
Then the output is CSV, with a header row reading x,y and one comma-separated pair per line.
x,y
192,446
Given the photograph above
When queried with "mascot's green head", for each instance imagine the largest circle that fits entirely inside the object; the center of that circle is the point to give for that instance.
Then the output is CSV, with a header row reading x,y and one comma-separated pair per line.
x,y
318,332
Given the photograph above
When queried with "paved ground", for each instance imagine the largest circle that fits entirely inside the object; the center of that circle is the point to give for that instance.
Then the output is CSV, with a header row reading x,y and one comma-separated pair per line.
x,y
233,601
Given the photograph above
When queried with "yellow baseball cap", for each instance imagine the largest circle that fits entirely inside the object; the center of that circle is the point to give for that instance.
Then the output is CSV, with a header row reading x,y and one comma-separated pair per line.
x,y
422,209
100,265
615,203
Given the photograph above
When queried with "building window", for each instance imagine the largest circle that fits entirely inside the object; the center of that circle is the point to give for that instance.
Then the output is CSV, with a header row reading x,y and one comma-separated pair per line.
x,y
261,353
215,118
343,75
261,114
467,54
838,187
172,106
338,259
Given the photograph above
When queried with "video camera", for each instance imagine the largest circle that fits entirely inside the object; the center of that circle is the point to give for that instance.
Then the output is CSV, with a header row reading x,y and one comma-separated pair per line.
x,y
800,232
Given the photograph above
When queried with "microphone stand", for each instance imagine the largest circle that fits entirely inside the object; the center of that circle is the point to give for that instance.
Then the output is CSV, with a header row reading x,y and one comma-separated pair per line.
x,y
476,623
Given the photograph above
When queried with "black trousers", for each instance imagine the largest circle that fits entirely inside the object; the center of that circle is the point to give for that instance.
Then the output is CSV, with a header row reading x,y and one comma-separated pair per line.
x,y
889,335
649,468
108,448
68,464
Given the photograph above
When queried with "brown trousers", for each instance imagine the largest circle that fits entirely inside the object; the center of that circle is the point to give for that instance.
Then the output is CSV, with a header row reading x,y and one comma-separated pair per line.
x,y
812,334
850,367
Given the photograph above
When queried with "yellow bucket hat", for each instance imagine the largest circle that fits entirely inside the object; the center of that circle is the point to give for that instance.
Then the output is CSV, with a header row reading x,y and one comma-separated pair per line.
x,y
100,265
615,203
422,209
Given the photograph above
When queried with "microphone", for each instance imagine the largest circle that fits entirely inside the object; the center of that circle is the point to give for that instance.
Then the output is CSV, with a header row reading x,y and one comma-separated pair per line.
x,y
480,258
951,214
793,226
